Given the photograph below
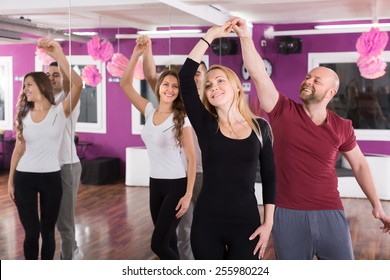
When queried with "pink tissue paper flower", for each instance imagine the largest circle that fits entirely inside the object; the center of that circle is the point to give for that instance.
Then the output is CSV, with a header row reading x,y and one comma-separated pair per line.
x,y
116,67
91,75
43,56
100,49
372,43
371,67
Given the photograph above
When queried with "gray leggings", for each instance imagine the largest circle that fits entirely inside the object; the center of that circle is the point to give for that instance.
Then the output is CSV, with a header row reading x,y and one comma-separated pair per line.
x,y
303,234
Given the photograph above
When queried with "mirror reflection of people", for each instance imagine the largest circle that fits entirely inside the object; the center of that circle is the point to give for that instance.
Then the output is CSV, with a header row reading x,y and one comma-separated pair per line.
x,y
35,175
226,221
384,102
70,169
168,138
184,227
309,216
352,92
370,112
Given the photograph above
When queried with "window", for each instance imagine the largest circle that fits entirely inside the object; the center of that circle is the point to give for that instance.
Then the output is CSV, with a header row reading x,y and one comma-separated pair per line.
x,y
365,102
6,93
93,99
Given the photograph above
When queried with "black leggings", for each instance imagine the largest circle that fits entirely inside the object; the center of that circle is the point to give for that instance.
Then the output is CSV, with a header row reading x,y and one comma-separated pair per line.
x,y
27,187
212,240
163,199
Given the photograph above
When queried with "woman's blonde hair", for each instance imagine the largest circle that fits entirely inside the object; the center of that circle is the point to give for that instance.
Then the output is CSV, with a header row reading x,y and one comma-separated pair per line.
x,y
239,99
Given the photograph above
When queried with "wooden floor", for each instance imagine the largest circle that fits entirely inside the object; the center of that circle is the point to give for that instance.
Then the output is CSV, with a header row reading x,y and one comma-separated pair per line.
x,y
113,223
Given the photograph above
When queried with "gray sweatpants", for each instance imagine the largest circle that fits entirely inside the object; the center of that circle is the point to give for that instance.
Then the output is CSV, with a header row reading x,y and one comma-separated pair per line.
x,y
303,234
70,175
184,227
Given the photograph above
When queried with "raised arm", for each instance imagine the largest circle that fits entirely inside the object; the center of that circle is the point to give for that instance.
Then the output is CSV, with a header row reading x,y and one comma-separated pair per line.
x,y
54,49
65,82
214,32
126,82
266,91
148,64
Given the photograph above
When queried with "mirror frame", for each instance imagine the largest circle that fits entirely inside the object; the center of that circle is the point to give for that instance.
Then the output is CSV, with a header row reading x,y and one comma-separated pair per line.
x,y
101,125
7,79
315,59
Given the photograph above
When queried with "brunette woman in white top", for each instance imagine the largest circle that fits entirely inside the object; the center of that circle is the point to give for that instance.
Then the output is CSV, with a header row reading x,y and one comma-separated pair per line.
x,y
35,167
168,138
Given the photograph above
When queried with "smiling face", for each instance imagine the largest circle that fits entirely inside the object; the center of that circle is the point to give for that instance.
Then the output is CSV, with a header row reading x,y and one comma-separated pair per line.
x,y
168,88
31,90
320,84
55,77
219,90
36,86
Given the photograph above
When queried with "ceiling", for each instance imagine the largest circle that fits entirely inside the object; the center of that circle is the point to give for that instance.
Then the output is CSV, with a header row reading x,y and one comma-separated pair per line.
x,y
149,14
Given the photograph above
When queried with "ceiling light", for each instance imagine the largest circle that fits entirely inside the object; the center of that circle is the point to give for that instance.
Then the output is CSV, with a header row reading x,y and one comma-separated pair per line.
x,y
171,31
86,33
352,26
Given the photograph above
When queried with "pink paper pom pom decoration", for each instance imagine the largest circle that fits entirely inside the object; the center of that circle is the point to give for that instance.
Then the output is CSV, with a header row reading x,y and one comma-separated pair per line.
x,y
371,67
372,43
100,49
91,75
116,67
43,56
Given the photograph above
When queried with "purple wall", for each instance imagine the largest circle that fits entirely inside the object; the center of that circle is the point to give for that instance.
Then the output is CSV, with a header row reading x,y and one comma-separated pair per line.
x,y
289,71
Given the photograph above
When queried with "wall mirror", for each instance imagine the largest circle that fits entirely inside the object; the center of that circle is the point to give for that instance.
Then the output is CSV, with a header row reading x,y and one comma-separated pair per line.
x,y
6,90
365,102
95,101
93,98
20,28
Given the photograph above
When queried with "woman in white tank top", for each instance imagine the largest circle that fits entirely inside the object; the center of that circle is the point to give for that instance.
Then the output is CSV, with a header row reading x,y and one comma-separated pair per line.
x,y
35,168
168,138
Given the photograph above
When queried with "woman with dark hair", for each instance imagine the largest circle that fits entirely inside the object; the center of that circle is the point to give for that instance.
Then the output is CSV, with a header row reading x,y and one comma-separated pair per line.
x,y
35,167
168,137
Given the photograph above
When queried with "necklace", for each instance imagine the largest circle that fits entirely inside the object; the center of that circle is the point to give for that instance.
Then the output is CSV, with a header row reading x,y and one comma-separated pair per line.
x,y
233,127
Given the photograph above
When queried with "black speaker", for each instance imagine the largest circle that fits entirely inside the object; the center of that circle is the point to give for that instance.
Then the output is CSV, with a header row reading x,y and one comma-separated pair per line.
x,y
224,46
290,45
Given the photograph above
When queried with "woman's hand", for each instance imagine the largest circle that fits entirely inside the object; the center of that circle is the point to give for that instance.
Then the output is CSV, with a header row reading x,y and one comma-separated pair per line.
x,y
142,43
240,27
51,47
183,205
264,233
11,191
218,31
143,40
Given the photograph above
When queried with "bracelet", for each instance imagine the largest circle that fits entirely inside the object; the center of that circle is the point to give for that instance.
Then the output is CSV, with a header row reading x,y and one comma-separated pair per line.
x,y
204,40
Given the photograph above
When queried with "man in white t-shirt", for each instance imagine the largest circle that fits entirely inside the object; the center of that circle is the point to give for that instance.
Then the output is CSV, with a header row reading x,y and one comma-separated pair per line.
x,y
70,170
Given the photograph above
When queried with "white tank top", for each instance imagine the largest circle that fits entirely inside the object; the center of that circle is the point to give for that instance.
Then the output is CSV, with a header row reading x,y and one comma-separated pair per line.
x,y
166,158
68,151
43,141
